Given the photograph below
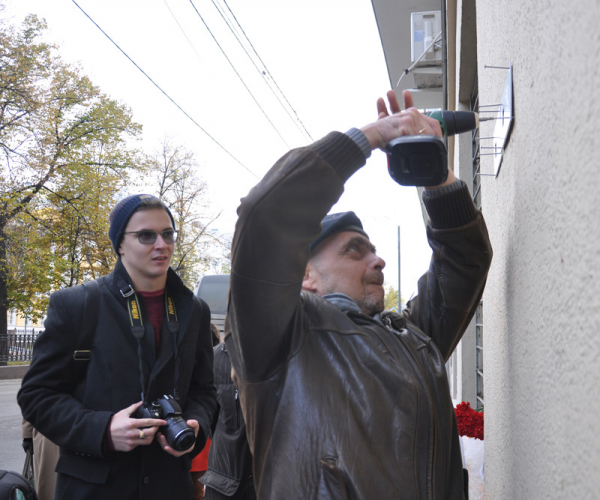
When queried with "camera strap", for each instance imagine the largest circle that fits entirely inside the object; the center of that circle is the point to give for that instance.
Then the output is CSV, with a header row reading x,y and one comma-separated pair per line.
x,y
173,327
138,330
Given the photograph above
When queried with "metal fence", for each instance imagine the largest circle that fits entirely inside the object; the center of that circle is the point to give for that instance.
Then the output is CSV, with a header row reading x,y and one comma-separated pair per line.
x,y
17,345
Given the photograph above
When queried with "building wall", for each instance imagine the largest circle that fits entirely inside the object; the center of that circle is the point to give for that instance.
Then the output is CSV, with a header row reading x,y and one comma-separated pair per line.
x,y
542,300
17,320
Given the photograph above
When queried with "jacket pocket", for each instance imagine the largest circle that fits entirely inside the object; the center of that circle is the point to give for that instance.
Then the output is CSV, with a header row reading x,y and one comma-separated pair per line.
x,y
225,485
89,469
230,414
332,484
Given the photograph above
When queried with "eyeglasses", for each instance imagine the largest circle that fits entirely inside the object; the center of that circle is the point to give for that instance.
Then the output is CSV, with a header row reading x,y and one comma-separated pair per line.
x,y
148,237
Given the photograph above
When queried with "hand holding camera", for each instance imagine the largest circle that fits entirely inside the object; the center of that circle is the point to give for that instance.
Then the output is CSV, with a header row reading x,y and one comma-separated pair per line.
x,y
176,435
138,424
126,432
162,440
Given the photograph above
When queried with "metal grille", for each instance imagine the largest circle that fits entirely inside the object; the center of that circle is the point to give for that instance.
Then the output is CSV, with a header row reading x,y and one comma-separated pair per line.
x,y
477,200
17,346
479,354
475,149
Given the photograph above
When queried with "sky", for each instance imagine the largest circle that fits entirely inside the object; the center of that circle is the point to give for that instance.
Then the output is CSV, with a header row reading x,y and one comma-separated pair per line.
x,y
300,70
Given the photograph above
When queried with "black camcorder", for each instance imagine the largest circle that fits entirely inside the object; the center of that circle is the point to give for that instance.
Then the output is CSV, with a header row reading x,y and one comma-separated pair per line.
x,y
180,436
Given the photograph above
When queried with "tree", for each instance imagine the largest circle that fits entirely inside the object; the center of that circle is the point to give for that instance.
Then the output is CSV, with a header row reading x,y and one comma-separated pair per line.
x,y
172,170
64,157
391,298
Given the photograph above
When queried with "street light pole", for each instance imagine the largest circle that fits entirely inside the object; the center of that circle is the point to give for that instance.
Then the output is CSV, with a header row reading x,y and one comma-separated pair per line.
x,y
399,273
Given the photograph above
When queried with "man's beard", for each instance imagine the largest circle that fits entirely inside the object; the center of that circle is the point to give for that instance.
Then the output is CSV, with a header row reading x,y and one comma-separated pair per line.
x,y
369,304
372,305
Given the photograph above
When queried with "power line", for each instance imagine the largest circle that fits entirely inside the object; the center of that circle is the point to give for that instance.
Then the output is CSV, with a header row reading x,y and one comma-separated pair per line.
x,y
238,75
261,73
267,70
167,95
182,30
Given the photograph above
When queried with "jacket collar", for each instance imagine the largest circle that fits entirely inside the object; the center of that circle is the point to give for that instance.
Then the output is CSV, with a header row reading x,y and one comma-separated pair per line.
x,y
119,280
346,304
342,302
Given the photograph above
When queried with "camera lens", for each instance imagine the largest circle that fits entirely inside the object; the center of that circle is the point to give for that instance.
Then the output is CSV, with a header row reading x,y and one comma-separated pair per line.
x,y
179,434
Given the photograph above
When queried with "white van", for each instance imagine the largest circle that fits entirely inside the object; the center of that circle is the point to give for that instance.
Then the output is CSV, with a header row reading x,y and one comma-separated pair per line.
x,y
214,290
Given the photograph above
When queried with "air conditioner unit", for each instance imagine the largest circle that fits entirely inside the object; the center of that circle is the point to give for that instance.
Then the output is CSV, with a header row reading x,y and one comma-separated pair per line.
x,y
426,48
425,28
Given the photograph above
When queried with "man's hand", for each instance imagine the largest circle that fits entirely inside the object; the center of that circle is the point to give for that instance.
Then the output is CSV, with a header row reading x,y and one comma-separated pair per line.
x,y
126,433
398,123
27,445
162,440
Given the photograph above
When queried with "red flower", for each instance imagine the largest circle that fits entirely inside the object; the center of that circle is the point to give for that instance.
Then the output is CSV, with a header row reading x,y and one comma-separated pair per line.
x,y
469,421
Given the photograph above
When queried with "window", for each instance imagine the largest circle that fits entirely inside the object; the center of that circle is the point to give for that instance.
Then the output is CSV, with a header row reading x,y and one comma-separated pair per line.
x,y
475,150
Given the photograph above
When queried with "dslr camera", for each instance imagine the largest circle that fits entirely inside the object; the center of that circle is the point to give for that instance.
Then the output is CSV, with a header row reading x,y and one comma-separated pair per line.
x,y
180,436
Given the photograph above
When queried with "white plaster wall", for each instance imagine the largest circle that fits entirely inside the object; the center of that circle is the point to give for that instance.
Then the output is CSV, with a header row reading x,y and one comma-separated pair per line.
x,y
542,301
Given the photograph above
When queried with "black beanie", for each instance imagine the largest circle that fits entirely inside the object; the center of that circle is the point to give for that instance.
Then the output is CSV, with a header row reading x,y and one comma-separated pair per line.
x,y
337,223
120,215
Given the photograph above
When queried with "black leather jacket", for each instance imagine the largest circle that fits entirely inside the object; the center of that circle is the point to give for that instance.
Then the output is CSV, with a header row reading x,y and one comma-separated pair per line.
x,y
229,473
338,404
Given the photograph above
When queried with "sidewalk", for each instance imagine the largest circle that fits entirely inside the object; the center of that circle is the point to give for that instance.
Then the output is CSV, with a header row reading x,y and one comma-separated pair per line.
x,y
12,455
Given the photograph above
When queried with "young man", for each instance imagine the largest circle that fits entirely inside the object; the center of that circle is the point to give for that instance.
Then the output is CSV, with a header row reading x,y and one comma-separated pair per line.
x,y
339,400
151,338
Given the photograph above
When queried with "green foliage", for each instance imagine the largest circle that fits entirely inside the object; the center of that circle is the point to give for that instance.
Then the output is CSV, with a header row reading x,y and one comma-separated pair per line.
x,y
64,160
391,298
30,265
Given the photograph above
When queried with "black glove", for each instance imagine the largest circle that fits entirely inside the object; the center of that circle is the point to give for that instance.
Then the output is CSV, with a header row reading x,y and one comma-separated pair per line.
x,y
27,445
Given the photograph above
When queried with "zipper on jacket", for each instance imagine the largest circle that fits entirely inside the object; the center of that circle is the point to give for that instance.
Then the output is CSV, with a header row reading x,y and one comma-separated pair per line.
x,y
432,418
237,408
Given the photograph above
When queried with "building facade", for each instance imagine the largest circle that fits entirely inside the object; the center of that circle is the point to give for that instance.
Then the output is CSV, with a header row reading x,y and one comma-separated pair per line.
x,y
532,355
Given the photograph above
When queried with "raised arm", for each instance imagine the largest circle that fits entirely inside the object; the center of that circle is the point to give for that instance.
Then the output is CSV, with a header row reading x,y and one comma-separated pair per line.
x,y
450,291
278,220
461,256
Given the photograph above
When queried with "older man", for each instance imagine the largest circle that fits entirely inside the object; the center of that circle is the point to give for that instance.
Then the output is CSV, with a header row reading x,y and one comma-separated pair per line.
x,y
342,401
151,338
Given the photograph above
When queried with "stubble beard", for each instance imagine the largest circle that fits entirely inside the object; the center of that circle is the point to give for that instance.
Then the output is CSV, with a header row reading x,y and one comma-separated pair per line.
x,y
372,305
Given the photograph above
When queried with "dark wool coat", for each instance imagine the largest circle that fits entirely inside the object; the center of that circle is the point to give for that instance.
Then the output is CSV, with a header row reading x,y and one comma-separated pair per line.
x,y
75,414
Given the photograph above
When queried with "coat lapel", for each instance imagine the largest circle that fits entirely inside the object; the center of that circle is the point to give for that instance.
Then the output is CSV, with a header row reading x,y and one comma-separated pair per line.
x,y
156,360
166,351
164,355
